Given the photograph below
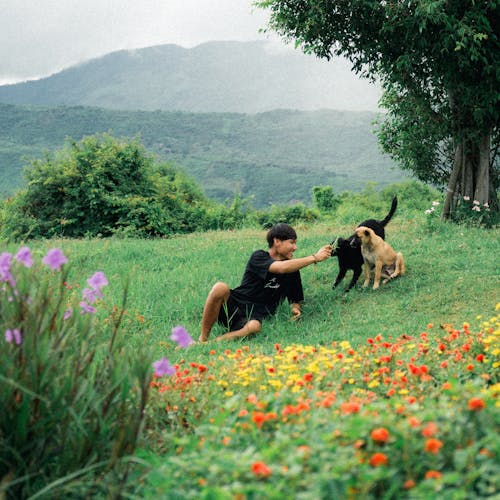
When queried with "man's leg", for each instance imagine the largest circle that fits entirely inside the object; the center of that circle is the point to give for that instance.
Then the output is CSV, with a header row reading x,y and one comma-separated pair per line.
x,y
253,326
217,296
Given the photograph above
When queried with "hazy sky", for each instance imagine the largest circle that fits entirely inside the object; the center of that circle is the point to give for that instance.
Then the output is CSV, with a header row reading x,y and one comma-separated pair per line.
x,y
41,37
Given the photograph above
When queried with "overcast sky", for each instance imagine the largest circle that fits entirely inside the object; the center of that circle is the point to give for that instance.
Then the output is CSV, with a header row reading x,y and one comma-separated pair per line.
x,y
41,37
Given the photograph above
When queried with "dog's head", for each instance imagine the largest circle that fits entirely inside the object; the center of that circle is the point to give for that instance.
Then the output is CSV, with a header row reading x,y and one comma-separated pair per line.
x,y
343,246
362,236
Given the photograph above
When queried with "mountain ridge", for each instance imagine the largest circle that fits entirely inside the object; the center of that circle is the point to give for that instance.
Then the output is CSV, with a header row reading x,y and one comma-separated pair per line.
x,y
246,77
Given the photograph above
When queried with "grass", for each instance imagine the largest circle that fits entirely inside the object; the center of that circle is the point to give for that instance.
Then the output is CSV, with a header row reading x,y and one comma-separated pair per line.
x,y
198,441
452,274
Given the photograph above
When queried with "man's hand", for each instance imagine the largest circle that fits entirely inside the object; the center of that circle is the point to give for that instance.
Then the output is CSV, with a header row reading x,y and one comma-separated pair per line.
x,y
323,253
296,312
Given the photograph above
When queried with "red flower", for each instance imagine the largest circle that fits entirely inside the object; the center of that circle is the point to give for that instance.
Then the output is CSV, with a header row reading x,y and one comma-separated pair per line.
x,y
433,445
433,474
430,430
381,435
378,459
349,407
260,469
476,404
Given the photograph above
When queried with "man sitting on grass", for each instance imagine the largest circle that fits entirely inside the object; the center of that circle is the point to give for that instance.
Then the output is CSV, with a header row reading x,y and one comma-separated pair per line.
x,y
270,277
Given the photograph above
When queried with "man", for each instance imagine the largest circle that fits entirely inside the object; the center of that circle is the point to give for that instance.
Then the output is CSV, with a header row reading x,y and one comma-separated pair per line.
x,y
270,277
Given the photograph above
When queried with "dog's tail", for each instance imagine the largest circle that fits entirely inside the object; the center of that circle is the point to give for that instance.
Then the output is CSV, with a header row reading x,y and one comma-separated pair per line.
x,y
388,217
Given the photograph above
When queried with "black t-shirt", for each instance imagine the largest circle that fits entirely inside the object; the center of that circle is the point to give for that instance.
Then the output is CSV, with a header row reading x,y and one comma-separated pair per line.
x,y
263,291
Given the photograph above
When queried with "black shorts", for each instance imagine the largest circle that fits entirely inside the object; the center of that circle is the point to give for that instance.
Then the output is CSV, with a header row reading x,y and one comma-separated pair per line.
x,y
234,317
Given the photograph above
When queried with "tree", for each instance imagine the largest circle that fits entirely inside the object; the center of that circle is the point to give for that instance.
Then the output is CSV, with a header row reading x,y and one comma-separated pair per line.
x,y
438,63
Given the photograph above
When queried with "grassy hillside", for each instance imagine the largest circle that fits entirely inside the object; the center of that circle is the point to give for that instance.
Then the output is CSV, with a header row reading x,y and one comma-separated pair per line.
x,y
274,157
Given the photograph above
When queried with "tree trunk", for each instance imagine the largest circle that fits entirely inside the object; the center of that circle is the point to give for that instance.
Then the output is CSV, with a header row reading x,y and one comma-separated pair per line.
x,y
481,193
470,176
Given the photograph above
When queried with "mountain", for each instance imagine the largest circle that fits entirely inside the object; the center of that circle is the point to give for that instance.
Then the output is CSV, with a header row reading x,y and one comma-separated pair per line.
x,y
274,157
243,77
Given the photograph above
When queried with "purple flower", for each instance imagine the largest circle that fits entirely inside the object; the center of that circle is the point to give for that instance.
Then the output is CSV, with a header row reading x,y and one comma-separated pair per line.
x,y
5,274
86,308
13,336
91,295
24,256
55,259
181,336
68,313
97,281
162,367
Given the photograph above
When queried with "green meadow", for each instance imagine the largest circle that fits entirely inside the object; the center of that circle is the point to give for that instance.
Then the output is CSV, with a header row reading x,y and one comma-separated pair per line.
x,y
367,396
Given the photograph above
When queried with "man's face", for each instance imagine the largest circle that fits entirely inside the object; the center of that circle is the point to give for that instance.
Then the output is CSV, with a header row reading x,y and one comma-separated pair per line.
x,y
285,248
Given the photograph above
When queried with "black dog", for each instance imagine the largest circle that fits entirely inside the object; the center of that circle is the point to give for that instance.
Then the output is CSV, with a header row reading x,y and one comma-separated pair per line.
x,y
348,250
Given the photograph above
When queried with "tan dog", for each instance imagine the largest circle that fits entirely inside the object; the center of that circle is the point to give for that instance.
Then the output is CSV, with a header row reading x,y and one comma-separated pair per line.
x,y
378,254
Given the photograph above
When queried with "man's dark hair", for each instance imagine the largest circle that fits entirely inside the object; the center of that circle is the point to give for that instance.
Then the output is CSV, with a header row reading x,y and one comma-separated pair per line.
x,y
282,232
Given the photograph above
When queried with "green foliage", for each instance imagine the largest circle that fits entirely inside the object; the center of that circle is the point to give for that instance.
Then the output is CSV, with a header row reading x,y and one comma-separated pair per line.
x,y
102,186
324,199
437,62
472,213
274,157
298,213
72,395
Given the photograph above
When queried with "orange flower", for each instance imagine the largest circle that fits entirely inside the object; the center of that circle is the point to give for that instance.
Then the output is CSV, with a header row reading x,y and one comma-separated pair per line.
x,y
409,484
380,435
378,459
433,445
433,474
259,418
260,469
430,430
349,407
476,404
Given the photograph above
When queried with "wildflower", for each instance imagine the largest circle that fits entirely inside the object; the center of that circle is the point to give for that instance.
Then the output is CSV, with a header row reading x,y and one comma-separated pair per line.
x,y
466,198
476,404
260,469
409,484
89,295
68,313
181,336
476,208
24,257
381,435
378,459
435,203
162,367
13,336
430,430
433,445
475,202
97,280
87,308
433,474
349,407
54,259
5,274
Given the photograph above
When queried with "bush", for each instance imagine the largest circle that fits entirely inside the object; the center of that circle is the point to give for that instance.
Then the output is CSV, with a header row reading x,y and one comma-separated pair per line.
x,y
72,397
99,187
290,215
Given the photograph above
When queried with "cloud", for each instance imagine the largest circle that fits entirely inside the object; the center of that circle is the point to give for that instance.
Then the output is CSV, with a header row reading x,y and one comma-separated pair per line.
x,y
42,37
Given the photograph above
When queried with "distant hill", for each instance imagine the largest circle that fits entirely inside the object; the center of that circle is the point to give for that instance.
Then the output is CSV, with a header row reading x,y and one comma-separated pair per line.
x,y
276,156
243,77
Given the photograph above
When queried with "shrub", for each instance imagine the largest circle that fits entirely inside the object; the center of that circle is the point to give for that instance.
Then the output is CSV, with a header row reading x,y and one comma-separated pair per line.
x,y
100,186
290,215
72,397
